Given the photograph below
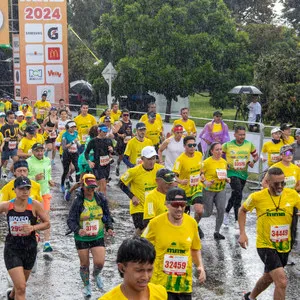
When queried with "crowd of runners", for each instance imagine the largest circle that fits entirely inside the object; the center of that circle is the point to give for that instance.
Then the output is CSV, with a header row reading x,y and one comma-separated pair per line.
x,y
171,183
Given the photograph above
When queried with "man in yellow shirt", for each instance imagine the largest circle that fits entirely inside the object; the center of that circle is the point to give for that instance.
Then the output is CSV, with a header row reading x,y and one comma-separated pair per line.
x,y
84,121
138,182
188,124
175,238
155,200
7,193
135,261
154,130
19,117
151,108
41,108
26,143
115,113
274,210
132,154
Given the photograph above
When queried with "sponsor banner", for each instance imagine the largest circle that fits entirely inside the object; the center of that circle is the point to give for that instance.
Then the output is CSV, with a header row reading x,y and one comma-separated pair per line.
x,y
43,49
4,24
16,66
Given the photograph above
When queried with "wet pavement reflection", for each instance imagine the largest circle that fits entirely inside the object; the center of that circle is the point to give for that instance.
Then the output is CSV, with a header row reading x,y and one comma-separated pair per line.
x,y
230,270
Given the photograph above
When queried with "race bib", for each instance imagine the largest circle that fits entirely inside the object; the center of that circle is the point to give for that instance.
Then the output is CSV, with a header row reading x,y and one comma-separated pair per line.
x,y
139,161
297,163
239,164
52,134
275,157
91,227
194,179
221,173
84,137
104,160
279,233
61,128
73,148
175,264
127,139
16,228
12,145
290,182
41,111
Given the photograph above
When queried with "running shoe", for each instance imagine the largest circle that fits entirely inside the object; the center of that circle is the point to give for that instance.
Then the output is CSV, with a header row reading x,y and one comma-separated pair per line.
x,y
8,294
62,188
246,296
4,175
117,171
67,195
219,236
47,247
226,219
87,292
99,282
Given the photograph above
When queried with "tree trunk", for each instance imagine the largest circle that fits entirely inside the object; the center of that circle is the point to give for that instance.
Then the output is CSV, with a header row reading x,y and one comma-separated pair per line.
x,y
168,109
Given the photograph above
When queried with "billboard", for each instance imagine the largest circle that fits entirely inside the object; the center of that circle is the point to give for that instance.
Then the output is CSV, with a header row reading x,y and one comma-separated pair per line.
x,y
4,24
43,49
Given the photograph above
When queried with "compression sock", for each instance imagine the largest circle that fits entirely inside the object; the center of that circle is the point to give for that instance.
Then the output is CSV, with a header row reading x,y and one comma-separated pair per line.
x,y
85,275
97,270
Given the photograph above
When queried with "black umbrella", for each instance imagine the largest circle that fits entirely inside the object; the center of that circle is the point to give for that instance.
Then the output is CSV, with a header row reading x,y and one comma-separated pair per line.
x,y
80,86
245,89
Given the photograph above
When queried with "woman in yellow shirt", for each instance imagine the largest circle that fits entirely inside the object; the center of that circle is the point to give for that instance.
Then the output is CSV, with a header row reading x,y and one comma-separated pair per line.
x,y
214,170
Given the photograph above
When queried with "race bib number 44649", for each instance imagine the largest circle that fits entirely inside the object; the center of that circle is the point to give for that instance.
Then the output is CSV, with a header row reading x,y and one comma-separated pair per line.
x,y
175,264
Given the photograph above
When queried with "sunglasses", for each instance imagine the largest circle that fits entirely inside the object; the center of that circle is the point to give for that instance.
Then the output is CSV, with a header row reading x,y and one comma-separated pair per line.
x,y
282,183
287,153
177,204
192,145
125,115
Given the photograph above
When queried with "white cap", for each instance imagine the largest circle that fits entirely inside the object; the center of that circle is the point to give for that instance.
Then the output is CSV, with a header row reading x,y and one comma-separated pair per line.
x,y
19,113
274,130
148,152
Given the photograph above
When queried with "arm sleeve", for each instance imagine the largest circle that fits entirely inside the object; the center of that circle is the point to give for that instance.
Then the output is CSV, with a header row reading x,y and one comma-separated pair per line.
x,y
125,189
127,162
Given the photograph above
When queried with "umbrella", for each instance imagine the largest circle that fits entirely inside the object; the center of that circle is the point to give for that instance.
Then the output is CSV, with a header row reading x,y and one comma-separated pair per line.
x,y
80,86
245,89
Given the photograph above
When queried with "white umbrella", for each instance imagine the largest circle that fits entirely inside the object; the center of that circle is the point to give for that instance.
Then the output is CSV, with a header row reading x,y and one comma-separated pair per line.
x,y
245,89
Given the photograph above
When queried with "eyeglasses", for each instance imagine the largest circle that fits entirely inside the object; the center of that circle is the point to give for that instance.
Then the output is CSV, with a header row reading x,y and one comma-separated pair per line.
x,y
192,145
177,204
282,183
287,153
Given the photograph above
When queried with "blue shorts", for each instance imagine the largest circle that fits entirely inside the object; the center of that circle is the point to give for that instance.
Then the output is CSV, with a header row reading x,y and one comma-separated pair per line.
x,y
8,153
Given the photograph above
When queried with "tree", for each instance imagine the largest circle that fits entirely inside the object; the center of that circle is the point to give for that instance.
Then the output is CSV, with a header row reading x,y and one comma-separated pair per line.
x,y
291,11
172,47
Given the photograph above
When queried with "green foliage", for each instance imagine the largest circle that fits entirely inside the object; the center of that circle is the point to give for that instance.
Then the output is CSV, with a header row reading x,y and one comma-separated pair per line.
x,y
291,12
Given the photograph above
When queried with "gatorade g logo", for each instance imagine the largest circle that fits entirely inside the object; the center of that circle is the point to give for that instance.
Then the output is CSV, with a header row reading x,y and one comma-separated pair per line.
x,y
53,33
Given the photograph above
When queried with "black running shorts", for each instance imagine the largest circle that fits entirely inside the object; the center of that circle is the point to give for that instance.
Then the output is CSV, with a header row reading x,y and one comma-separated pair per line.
x,y
272,259
91,244
138,220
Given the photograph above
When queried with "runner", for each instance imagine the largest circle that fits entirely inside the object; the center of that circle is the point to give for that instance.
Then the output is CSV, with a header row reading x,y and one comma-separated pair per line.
x,y
115,113
26,143
142,180
187,168
135,261
28,121
106,113
132,154
188,124
214,170
151,108
102,148
175,238
2,118
172,147
62,106
154,130
274,210
20,244
296,149
155,201
84,121
63,120
19,117
88,216
286,133
237,153
40,170
41,108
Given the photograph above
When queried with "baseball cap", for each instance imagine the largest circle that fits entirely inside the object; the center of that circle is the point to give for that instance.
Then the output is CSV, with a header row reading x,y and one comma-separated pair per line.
x,y
28,115
285,126
166,175
71,124
44,94
30,129
285,148
103,128
37,146
2,114
148,152
89,180
178,128
21,182
217,113
53,108
20,164
107,119
276,129
175,191
140,125
297,133
151,115
19,113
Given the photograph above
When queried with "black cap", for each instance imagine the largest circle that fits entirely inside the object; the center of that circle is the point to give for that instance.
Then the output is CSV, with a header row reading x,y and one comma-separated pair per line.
x,y
107,119
22,182
285,126
167,175
20,164
175,191
30,129
140,125
217,113
151,115
37,146
44,94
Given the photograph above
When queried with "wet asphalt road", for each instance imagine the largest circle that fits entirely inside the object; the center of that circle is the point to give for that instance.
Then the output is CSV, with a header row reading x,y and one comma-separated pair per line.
x,y
230,270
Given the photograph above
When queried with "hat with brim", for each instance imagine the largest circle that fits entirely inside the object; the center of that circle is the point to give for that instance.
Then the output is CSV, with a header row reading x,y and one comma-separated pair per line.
x,y
30,129
148,152
174,192
89,181
285,148
166,175
103,128
37,146
21,182
285,126
276,129
140,125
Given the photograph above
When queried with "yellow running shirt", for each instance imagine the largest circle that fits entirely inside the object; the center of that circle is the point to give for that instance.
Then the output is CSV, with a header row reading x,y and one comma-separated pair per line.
x,y
289,141
7,192
215,170
25,144
134,148
217,127
156,292
43,108
189,168
84,125
144,118
291,174
115,116
273,151
273,228
141,183
101,120
153,131
189,126
173,246
154,204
